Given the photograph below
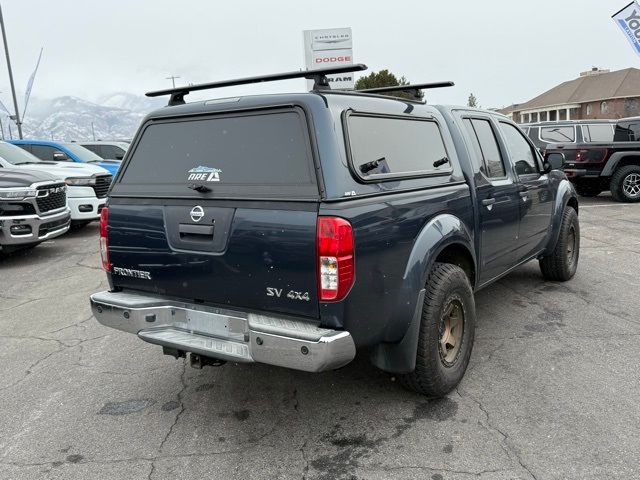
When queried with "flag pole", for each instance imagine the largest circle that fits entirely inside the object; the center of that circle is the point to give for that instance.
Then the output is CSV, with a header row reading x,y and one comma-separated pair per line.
x,y
13,88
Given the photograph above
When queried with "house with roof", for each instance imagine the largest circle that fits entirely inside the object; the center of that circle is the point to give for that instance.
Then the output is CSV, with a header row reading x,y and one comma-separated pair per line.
x,y
595,94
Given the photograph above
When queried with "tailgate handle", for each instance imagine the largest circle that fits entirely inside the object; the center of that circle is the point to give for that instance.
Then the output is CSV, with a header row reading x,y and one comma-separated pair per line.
x,y
187,230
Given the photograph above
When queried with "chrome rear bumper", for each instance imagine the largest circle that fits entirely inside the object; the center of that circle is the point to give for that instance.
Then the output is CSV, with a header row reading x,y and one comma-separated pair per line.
x,y
225,334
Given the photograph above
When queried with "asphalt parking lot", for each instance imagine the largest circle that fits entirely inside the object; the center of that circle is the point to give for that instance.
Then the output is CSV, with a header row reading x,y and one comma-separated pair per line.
x,y
552,391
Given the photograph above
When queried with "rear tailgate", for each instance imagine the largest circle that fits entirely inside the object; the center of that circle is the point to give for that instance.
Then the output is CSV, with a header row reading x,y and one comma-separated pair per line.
x,y
220,209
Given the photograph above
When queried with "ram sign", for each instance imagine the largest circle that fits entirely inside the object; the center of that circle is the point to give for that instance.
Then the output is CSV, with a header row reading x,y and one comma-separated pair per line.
x,y
330,48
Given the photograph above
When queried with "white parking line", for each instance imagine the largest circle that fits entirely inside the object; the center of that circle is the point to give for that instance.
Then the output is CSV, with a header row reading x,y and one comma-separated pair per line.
x,y
608,205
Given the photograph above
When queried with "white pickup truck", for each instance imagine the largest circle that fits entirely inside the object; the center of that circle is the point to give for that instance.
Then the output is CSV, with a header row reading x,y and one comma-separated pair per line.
x,y
87,184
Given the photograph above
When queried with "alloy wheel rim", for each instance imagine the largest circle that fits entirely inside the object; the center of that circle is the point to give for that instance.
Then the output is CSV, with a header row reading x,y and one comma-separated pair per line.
x,y
451,332
631,185
571,245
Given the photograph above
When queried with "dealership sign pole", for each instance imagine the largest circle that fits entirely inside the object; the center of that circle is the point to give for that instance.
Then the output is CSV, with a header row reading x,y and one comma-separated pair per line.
x,y
330,48
628,19
15,117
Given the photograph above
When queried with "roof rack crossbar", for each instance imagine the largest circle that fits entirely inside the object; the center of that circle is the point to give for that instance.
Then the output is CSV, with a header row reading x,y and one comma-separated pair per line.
x,y
413,90
319,77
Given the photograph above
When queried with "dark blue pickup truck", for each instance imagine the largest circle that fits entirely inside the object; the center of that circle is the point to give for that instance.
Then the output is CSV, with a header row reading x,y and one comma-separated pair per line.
x,y
293,229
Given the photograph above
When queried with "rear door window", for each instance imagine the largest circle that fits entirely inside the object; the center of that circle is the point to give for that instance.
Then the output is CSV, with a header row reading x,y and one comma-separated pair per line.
x,y
253,155
563,134
597,133
490,150
477,158
389,147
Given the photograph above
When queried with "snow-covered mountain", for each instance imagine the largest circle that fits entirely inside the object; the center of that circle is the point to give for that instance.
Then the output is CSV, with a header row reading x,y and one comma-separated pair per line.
x,y
129,101
115,116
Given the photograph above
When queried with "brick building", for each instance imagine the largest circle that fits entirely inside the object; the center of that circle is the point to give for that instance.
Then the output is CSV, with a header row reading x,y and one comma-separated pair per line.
x,y
594,94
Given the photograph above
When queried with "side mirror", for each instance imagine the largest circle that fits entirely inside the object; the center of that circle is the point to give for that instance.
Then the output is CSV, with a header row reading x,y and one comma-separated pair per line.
x,y
60,157
553,161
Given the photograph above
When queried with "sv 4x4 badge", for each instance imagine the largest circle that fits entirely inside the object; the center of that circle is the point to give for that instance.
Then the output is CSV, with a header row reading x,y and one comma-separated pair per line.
x,y
291,295
204,174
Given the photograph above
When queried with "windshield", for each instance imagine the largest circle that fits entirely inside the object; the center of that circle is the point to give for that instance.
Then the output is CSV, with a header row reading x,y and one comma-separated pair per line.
x,y
82,153
16,155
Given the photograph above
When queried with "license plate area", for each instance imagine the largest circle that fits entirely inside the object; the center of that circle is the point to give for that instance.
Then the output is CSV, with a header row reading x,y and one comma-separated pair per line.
x,y
217,325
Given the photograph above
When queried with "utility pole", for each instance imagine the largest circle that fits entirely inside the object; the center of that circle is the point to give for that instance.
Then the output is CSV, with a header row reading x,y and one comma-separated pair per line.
x,y
1,128
173,79
13,88
93,132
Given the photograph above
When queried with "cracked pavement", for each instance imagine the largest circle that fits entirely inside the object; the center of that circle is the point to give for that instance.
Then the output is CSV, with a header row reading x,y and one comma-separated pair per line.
x,y
552,390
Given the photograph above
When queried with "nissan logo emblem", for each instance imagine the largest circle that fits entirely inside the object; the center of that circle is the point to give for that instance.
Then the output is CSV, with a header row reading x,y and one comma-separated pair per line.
x,y
196,213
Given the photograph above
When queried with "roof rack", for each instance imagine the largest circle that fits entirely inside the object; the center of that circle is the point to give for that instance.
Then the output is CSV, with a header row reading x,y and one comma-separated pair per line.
x,y
319,77
413,90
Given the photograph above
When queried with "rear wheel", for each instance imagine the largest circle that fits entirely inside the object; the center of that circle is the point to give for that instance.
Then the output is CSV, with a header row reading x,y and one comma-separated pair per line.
x,y
562,263
588,189
446,333
625,184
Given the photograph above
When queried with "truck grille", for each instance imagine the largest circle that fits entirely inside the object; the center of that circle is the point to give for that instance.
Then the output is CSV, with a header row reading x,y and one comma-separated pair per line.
x,y
102,185
51,197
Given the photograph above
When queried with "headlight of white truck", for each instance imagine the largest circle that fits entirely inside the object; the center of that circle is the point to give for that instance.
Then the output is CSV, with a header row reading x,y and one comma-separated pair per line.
x,y
16,193
80,181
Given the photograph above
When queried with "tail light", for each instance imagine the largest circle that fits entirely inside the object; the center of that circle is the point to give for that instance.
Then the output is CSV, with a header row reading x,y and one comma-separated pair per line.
x,y
335,258
591,155
104,239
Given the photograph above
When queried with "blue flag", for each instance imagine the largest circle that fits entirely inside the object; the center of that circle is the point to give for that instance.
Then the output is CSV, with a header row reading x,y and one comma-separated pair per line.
x,y
628,19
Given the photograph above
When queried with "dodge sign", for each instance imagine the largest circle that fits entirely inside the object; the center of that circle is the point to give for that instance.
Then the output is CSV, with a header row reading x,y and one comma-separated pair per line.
x,y
330,48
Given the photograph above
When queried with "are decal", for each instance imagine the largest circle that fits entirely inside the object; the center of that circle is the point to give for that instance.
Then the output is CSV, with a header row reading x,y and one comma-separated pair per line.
x,y
204,174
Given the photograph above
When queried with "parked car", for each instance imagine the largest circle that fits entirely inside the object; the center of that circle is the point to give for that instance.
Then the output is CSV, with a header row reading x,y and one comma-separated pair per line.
x,y
33,208
292,229
596,167
65,152
107,150
88,183
572,131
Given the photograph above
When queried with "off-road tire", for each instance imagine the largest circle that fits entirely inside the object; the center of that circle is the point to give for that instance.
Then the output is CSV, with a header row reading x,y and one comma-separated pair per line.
x,y
588,189
619,191
561,264
432,376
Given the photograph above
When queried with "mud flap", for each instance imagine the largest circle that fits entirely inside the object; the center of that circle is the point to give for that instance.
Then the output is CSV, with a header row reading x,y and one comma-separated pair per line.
x,y
401,357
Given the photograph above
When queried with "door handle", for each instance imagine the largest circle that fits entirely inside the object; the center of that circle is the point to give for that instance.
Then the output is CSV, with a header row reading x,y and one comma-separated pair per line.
x,y
488,201
187,231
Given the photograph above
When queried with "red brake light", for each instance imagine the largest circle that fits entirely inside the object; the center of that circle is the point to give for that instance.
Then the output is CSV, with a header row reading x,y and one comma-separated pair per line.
x,y
335,258
104,239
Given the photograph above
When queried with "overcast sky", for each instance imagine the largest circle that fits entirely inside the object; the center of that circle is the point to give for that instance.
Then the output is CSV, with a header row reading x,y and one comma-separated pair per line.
x,y
502,51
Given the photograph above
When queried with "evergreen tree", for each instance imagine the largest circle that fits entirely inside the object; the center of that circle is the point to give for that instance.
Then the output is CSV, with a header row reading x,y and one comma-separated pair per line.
x,y
384,78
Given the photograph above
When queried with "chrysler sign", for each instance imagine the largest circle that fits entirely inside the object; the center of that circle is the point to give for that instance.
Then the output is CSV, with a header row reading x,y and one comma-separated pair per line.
x,y
330,48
